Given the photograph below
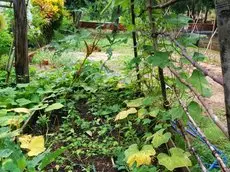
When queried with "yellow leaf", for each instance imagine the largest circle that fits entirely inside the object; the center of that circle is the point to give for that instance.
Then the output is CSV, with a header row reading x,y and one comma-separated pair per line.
x,y
141,157
25,141
124,114
35,145
20,110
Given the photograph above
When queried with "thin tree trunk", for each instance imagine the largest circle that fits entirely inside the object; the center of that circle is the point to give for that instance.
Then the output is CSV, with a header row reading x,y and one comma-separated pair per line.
x,y
116,23
206,15
154,38
223,18
21,42
134,34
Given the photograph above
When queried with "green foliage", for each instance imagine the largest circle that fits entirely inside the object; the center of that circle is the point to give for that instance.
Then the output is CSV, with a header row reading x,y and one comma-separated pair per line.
x,y
178,158
199,82
5,42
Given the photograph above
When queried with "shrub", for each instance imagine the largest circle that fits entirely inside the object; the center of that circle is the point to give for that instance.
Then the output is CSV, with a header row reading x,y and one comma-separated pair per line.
x,y
5,42
47,16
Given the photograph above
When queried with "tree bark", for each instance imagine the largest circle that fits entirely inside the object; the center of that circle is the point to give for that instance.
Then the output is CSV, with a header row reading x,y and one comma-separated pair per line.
x,y
223,20
21,42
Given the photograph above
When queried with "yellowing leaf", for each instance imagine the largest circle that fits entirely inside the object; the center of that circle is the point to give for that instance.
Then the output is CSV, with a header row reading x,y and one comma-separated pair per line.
x,y
20,110
54,106
35,144
124,114
142,112
135,103
159,138
141,157
25,141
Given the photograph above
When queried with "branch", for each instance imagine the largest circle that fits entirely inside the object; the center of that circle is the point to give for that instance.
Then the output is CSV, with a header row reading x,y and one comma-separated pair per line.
x,y
160,6
194,63
215,154
206,106
165,5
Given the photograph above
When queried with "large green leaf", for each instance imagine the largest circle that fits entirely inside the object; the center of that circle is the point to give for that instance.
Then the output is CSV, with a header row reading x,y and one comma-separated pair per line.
x,y
22,102
198,57
54,106
160,59
178,158
141,157
200,83
9,166
50,157
176,113
159,138
5,153
177,21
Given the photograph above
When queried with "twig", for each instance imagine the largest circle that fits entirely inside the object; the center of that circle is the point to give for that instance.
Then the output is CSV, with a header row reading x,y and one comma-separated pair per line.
x,y
194,63
219,160
207,108
210,41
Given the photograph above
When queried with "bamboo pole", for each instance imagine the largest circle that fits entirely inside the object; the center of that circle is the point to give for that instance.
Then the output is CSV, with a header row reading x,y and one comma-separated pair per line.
x,y
215,154
191,148
209,111
194,63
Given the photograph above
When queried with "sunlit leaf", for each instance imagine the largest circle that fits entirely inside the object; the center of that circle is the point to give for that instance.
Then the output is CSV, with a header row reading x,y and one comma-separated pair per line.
x,y
159,138
124,114
142,113
154,112
141,157
20,110
54,106
178,158
135,103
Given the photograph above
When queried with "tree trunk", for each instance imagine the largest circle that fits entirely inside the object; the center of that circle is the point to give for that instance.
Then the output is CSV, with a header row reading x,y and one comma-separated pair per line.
x,y
223,20
206,15
21,42
116,23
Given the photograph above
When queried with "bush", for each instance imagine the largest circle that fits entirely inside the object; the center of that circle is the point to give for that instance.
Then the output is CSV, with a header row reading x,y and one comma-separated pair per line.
x,y
5,42
47,16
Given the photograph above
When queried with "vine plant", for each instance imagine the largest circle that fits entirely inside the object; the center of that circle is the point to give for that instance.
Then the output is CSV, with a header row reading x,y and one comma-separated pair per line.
x,y
160,44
